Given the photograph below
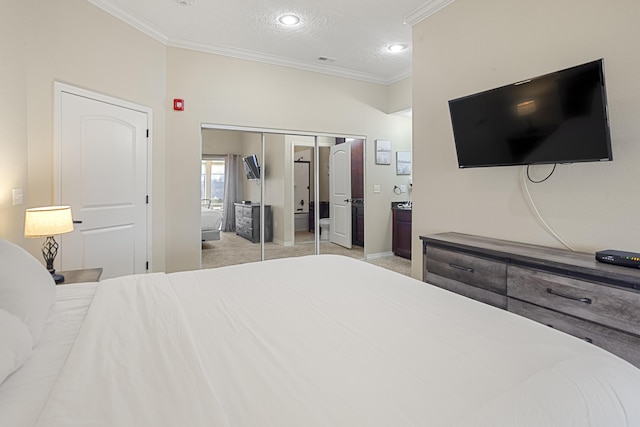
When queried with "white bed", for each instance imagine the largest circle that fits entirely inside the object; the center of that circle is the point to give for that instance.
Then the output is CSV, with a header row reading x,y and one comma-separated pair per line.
x,y
310,341
211,223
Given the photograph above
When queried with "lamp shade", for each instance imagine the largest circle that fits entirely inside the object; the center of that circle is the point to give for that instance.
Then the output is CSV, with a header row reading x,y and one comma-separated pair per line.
x,y
47,221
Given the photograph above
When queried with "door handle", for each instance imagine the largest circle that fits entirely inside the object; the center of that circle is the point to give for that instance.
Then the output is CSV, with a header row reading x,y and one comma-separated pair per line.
x,y
77,221
348,200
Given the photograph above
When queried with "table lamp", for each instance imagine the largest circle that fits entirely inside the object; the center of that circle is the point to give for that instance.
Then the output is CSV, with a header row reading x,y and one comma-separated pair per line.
x,y
47,222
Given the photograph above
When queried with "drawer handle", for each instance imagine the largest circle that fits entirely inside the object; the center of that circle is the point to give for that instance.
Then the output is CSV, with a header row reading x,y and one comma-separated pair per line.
x,y
584,300
587,339
459,267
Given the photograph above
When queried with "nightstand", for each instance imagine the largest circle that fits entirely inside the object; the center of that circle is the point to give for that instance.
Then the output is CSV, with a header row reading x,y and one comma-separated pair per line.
x,y
81,276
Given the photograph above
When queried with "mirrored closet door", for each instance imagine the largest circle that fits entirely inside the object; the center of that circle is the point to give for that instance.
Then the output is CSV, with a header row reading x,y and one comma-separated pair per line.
x,y
279,199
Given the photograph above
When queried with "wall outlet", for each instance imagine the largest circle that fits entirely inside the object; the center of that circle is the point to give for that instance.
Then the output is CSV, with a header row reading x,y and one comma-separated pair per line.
x,y
376,189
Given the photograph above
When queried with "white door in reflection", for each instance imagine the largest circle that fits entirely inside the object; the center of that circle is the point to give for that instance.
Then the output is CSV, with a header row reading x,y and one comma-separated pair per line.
x,y
340,194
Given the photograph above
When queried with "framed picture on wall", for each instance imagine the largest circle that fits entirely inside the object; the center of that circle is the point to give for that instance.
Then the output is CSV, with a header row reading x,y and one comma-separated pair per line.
x,y
403,163
383,152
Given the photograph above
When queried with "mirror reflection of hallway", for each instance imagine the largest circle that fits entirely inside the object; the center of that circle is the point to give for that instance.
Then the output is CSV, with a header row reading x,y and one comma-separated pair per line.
x,y
289,174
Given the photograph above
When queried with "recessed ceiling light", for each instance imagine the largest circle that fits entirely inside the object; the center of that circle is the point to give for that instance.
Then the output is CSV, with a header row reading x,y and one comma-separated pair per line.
x,y
398,47
289,20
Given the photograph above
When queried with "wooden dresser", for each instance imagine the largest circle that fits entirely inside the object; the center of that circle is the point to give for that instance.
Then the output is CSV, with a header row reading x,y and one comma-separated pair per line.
x,y
401,231
569,291
248,222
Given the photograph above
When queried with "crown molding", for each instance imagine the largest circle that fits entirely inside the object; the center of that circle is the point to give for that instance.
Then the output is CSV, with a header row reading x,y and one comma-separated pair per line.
x,y
132,19
157,34
284,62
398,77
426,10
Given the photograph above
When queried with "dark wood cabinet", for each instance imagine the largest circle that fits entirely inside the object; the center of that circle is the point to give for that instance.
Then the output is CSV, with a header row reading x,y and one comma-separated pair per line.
x,y
248,222
565,290
401,241
357,223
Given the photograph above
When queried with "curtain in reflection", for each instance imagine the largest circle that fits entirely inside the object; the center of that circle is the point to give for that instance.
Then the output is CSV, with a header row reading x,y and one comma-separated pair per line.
x,y
232,191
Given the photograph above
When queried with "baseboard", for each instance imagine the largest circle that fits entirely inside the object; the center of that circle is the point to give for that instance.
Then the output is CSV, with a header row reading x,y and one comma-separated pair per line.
x,y
380,255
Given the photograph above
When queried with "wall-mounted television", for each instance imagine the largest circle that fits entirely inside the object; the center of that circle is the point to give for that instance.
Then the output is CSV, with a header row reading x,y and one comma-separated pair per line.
x,y
251,167
559,117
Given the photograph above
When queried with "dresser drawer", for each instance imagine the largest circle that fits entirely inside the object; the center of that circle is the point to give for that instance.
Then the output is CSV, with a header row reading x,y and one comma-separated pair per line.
x,y
478,294
247,212
619,343
472,270
610,306
245,232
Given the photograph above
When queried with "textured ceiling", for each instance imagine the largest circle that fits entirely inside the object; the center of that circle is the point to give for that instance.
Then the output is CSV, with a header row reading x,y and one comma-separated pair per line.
x,y
353,34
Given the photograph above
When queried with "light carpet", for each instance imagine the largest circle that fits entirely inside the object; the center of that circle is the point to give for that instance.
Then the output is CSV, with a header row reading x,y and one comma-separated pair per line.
x,y
232,249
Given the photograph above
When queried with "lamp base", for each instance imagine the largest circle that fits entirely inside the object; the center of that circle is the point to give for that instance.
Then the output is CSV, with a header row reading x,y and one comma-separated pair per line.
x,y
58,278
49,252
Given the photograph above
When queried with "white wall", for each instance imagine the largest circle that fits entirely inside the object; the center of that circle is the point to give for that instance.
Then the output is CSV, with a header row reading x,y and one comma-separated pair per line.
x,y
13,119
221,142
276,168
473,46
400,95
252,144
76,43
229,91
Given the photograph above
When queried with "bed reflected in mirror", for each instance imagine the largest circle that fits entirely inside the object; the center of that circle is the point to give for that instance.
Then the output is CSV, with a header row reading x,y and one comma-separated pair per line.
x,y
230,197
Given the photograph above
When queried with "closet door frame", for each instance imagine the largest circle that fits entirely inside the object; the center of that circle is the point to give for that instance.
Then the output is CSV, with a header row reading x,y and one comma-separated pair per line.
x,y
264,167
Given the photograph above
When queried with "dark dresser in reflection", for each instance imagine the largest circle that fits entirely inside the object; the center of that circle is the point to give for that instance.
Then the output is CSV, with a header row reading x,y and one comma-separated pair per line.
x,y
248,222
401,244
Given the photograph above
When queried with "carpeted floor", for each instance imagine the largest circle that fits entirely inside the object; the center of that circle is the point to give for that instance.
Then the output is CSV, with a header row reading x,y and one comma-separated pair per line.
x,y
232,249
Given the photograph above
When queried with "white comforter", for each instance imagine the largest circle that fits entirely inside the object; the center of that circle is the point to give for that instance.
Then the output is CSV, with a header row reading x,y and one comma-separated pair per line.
x,y
210,219
325,341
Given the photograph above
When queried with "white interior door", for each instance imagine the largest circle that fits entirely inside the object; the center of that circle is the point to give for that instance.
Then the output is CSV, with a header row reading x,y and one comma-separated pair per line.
x,y
340,194
103,177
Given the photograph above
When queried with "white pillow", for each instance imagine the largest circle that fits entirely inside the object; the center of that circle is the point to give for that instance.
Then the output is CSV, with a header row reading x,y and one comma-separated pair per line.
x,y
16,344
27,289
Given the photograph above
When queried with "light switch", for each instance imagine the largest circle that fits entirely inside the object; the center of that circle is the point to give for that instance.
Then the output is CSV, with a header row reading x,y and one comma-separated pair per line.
x,y
403,188
376,189
18,197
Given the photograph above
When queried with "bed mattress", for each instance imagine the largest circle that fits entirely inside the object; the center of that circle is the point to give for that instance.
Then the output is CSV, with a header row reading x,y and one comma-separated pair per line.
x,y
324,341
211,219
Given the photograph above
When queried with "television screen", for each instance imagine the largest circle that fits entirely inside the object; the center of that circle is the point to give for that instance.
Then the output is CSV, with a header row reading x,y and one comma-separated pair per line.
x,y
556,118
251,167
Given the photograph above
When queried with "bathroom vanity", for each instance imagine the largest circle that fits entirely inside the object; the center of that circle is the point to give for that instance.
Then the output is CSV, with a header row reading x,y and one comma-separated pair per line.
x,y
401,244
